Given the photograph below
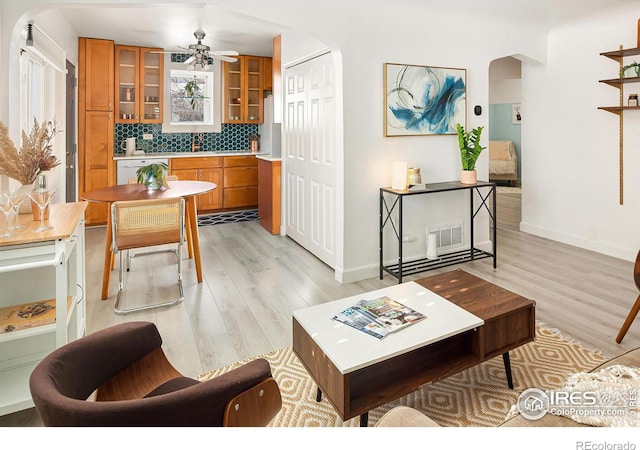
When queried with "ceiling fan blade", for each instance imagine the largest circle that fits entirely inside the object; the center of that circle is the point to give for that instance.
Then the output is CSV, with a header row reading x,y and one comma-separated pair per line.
x,y
188,50
224,58
189,59
224,53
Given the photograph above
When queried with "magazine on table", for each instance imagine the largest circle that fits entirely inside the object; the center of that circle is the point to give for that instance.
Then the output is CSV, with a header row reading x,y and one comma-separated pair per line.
x,y
379,317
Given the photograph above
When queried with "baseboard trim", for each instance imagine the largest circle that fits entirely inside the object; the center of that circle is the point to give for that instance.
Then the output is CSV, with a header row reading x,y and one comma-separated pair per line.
x,y
565,238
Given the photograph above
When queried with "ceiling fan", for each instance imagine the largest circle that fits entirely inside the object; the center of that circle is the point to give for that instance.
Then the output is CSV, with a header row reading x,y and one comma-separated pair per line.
x,y
199,53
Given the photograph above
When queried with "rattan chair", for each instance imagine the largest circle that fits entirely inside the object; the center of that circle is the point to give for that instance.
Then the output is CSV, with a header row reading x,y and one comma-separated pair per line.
x,y
187,237
146,223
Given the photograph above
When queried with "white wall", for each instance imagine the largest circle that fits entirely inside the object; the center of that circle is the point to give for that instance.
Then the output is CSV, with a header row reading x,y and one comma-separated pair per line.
x,y
563,123
504,80
422,39
570,168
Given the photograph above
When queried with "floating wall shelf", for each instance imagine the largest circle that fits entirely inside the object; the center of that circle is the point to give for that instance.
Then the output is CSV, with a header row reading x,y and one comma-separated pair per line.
x,y
618,83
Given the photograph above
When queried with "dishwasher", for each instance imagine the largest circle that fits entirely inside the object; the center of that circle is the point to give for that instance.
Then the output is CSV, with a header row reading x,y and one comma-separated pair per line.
x,y
127,167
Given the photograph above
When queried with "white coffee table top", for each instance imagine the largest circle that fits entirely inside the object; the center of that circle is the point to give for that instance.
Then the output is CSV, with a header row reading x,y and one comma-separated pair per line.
x,y
350,349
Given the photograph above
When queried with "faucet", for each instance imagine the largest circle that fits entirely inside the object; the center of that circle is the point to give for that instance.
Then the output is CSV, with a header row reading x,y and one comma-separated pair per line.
x,y
195,147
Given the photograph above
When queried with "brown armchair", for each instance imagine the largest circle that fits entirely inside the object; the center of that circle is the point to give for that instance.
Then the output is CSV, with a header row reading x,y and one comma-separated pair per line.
x,y
137,386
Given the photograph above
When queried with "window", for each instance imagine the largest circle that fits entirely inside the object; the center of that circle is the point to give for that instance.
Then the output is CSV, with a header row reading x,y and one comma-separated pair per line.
x,y
180,114
191,100
32,95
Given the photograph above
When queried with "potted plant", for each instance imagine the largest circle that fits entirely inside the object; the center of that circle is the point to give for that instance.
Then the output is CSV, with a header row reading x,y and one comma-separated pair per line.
x,y
152,175
193,92
470,149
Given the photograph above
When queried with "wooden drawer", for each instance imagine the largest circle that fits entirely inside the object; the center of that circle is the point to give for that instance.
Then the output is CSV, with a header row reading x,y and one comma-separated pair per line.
x,y
240,197
236,161
199,162
240,176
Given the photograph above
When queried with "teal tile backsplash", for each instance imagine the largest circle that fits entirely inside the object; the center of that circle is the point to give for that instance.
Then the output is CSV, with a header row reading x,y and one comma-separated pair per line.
x,y
233,137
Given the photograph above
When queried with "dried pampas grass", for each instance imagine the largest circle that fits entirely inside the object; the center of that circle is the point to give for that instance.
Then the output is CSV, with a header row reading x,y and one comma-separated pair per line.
x,y
35,156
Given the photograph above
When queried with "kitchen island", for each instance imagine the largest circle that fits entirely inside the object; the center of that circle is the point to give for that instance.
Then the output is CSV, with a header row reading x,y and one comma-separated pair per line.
x,y
42,301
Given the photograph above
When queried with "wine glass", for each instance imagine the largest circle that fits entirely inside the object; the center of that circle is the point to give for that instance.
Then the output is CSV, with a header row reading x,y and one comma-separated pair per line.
x,y
6,207
17,198
42,197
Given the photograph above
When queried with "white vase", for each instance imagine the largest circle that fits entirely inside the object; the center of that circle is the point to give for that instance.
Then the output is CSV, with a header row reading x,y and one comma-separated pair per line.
x,y
468,177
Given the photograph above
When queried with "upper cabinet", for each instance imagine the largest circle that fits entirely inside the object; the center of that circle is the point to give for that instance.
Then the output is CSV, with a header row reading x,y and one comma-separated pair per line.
x,y
268,75
98,77
243,90
138,79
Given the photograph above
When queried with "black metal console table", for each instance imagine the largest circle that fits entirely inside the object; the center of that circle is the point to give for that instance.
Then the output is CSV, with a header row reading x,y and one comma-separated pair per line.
x,y
403,268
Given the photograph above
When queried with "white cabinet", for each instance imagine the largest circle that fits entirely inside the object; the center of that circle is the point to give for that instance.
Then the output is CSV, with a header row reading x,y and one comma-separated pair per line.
x,y
42,298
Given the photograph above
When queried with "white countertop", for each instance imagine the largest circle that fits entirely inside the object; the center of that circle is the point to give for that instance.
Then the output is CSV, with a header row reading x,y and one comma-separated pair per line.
x,y
157,155
350,349
267,157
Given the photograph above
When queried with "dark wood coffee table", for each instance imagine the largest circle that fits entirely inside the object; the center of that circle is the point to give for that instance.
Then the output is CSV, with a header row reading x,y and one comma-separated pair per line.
x,y
358,373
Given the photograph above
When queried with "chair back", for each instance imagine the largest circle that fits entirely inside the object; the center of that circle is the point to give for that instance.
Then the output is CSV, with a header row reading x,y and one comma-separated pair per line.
x,y
143,223
64,379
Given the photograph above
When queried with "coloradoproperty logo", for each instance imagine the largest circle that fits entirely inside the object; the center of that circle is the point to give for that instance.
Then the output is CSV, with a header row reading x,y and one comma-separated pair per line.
x,y
534,403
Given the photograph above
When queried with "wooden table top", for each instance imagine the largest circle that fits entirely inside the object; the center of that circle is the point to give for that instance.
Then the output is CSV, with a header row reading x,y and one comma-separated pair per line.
x,y
480,297
63,217
179,188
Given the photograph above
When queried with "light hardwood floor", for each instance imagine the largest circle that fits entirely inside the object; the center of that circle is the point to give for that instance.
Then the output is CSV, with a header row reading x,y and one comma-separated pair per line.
x,y
253,280
509,210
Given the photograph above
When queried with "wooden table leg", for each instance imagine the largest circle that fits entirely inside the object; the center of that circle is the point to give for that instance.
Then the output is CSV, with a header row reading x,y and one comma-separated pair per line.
x,y
195,240
108,257
189,237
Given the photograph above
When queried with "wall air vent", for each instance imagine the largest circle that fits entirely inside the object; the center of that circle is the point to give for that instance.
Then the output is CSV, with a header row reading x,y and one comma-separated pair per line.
x,y
448,235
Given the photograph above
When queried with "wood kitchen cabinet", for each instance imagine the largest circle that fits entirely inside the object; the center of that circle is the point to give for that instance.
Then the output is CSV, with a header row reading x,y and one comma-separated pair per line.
x,y
138,80
206,168
267,84
269,173
96,168
240,182
96,81
243,90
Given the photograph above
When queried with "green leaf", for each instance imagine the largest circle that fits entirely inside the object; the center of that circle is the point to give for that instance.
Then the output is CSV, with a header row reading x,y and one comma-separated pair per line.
x,y
469,144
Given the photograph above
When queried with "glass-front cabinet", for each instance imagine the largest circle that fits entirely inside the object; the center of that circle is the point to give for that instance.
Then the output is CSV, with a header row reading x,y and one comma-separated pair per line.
x,y
138,80
151,82
243,86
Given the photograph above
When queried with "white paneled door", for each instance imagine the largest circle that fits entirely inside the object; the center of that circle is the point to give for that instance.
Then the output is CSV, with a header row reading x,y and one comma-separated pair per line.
x,y
309,148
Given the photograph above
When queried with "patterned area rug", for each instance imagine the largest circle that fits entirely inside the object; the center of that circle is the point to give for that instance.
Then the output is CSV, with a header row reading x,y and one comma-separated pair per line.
x,y
477,397
228,217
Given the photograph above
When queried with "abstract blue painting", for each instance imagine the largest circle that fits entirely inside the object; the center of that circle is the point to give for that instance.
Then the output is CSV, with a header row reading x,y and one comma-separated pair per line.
x,y
422,100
